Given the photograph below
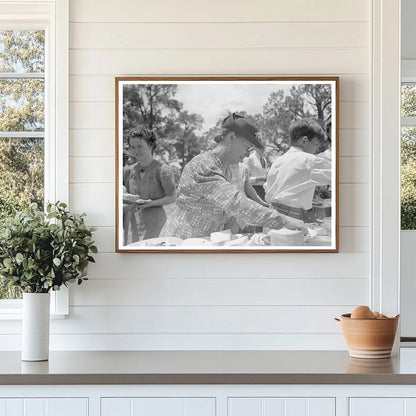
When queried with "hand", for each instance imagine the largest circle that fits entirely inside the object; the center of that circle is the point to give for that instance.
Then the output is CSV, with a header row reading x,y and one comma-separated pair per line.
x,y
145,203
296,225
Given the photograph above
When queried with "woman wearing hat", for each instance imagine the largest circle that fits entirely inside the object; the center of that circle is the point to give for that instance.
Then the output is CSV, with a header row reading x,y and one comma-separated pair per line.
x,y
207,200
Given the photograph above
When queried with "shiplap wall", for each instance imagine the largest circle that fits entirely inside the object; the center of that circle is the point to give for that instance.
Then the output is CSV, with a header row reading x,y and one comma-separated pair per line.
x,y
215,301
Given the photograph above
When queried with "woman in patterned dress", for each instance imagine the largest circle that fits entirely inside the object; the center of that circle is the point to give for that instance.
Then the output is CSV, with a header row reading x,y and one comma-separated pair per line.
x,y
148,186
207,199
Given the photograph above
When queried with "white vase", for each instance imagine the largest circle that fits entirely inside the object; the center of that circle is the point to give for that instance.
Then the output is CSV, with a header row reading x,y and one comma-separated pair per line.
x,y
35,326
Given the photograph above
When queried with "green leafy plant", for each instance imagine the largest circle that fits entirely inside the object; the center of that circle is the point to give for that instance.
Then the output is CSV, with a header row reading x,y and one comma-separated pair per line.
x,y
43,251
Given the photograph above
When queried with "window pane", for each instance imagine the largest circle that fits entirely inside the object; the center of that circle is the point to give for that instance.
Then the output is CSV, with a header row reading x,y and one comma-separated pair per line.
x,y
21,173
408,100
22,51
408,178
22,104
21,182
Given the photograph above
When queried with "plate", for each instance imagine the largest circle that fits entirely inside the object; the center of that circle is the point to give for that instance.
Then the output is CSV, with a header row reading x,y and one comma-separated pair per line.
x,y
158,242
197,242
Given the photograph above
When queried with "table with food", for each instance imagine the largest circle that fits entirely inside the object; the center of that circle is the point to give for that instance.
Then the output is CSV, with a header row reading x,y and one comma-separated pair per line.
x,y
319,234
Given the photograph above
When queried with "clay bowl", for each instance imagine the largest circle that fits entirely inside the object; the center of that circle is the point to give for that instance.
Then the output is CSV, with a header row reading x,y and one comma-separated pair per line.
x,y
369,338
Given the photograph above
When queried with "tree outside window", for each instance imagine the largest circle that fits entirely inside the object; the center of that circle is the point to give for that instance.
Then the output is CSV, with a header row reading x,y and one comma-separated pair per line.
x,y
22,124
408,157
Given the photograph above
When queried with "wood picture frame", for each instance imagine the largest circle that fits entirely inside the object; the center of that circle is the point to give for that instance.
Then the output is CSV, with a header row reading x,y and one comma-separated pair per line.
x,y
190,152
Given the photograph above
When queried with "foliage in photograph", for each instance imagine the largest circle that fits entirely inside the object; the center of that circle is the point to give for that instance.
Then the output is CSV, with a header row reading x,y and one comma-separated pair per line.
x,y
180,134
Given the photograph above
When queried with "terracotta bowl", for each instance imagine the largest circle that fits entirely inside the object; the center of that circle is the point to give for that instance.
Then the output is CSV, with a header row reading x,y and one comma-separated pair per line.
x,y
369,338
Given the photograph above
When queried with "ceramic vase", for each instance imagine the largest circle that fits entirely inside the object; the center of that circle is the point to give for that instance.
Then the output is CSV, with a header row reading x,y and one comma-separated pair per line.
x,y
35,326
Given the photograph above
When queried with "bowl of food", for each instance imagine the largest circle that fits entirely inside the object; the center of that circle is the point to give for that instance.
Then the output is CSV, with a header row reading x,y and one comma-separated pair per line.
x,y
369,334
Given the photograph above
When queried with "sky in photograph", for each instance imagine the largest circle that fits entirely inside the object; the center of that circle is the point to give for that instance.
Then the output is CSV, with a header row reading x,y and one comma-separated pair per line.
x,y
215,101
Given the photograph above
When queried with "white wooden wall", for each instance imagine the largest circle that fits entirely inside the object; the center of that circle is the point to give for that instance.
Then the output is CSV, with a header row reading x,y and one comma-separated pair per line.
x,y
215,301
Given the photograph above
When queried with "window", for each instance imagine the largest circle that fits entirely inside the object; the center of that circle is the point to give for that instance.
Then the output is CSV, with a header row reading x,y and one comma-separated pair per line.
x,y
22,124
33,111
408,155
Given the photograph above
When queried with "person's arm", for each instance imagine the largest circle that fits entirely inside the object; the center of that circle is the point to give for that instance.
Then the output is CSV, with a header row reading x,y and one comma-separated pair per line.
x,y
235,204
321,171
252,194
168,199
167,181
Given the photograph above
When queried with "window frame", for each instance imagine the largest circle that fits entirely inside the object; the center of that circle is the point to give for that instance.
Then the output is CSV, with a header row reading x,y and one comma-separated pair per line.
x,y
53,17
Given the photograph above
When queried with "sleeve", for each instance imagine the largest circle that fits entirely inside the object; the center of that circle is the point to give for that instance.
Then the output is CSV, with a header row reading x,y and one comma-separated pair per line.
x,y
235,204
321,171
167,180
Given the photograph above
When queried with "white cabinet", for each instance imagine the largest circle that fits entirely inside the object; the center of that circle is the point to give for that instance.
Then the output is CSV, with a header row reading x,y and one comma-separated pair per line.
x,y
382,406
44,407
160,406
270,406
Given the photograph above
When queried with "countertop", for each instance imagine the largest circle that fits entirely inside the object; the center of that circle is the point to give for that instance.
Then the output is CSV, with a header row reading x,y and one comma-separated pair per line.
x,y
207,367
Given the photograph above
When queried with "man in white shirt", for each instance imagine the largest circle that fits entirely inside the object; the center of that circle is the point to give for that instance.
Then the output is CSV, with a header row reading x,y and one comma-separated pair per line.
x,y
293,177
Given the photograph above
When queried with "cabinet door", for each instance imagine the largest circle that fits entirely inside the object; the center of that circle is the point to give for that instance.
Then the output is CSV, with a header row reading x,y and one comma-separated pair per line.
x,y
270,406
376,406
44,407
160,406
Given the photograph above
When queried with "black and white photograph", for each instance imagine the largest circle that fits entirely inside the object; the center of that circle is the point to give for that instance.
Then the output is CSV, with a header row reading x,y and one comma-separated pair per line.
x,y
236,164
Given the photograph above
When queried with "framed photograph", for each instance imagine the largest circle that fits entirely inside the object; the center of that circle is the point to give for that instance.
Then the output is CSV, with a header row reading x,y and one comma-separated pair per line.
x,y
227,164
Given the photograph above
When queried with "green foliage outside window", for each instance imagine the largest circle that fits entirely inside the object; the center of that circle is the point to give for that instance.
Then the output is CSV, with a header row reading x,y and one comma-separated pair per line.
x,y
21,110
408,161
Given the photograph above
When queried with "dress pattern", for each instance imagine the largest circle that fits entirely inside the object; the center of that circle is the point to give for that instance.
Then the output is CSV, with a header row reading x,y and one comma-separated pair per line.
x,y
206,200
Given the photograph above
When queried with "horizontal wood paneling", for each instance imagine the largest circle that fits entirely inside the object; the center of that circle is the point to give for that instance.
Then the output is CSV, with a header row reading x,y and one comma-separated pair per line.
x,y
220,291
287,296
195,320
92,169
354,142
101,115
219,62
99,88
218,11
96,199
218,35
146,342
201,319
354,239
93,143
230,265
354,200
354,170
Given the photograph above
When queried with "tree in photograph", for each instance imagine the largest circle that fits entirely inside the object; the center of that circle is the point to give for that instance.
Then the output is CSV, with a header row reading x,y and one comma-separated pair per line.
x,y
283,107
155,107
187,143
